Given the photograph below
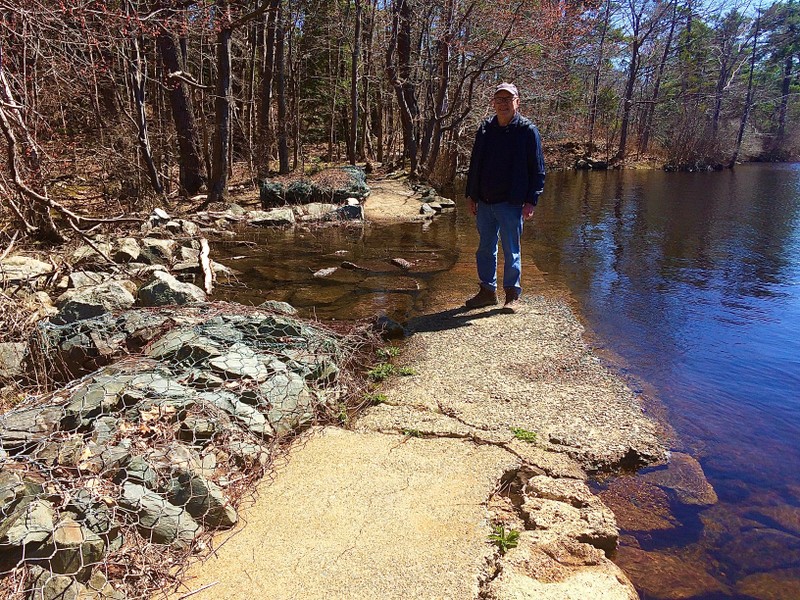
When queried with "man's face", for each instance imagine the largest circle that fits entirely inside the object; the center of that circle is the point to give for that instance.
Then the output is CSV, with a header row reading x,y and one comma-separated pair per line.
x,y
505,103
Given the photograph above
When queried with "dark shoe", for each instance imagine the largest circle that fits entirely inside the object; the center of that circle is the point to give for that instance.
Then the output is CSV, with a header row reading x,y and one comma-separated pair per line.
x,y
512,303
484,297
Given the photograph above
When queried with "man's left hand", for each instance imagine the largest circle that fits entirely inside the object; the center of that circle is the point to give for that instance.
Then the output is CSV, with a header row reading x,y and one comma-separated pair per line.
x,y
527,210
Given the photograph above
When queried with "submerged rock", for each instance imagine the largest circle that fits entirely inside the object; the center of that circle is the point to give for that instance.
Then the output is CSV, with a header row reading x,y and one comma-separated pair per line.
x,y
685,477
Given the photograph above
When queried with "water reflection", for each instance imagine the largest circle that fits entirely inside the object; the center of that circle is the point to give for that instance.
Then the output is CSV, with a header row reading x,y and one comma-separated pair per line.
x,y
693,280
360,281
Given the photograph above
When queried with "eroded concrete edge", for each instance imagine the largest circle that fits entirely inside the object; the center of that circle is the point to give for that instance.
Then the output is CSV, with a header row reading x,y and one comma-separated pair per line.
x,y
566,533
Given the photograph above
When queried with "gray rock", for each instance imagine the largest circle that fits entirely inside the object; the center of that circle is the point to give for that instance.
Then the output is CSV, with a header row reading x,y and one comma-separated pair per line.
x,y
31,521
173,226
176,458
104,429
164,290
240,362
85,256
89,302
203,499
189,228
160,214
271,218
283,308
325,272
11,357
162,250
184,344
17,268
189,254
105,460
28,425
126,250
249,416
289,399
202,380
196,429
282,327
435,206
73,548
314,211
158,520
247,454
426,210
80,279
350,212
401,263
94,513
138,471
16,489
445,203
221,329
101,394
99,586
47,586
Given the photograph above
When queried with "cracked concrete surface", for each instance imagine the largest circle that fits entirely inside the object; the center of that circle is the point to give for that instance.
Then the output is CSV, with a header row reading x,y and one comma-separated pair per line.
x,y
374,513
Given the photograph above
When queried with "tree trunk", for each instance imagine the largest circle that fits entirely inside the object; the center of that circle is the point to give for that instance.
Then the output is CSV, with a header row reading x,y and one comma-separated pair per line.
x,y
222,116
749,99
627,100
434,142
596,79
264,116
190,163
785,89
400,77
280,63
138,96
351,141
650,110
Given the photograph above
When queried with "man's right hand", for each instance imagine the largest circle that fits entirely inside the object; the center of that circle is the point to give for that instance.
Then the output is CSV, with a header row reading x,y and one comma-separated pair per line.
x,y
473,207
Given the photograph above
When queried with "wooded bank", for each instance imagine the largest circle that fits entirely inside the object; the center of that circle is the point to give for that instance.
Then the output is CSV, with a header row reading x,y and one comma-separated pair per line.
x,y
169,98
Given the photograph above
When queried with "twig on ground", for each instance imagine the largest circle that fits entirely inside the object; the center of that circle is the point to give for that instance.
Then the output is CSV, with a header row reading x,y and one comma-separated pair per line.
x,y
198,590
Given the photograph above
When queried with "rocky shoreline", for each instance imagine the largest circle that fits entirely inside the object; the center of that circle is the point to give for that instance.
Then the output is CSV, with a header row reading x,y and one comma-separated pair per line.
x,y
179,411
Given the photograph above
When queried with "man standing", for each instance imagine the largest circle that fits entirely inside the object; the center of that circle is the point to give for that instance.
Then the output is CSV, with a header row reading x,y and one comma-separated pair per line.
x,y
506,177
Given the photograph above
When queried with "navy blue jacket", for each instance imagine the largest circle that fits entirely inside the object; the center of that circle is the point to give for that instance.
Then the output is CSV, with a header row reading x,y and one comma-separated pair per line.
x,y
507,163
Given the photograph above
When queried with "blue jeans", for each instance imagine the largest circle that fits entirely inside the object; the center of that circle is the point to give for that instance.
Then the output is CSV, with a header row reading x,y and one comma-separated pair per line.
x,y
501,220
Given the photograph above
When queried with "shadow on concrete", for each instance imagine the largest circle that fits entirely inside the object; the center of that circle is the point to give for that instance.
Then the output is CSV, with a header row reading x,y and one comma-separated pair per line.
x,y
452,318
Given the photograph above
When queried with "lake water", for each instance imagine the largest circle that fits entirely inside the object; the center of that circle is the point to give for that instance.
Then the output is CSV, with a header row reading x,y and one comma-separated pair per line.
x,y
688,283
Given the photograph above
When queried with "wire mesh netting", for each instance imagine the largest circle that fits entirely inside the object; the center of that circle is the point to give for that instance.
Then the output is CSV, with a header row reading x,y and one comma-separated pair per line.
x,y
111,481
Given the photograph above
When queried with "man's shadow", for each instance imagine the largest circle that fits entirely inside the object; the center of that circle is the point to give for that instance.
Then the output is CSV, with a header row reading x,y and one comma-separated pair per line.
x,y
452,318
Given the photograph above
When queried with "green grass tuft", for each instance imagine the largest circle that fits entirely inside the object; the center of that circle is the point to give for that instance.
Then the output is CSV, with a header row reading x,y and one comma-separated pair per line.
x,y
523,434
504,539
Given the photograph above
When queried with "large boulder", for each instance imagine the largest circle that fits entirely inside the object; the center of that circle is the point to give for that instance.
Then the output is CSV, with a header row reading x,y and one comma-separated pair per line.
x,y
271,218
334,185
204,500
163,289
88,302
158,520
15,269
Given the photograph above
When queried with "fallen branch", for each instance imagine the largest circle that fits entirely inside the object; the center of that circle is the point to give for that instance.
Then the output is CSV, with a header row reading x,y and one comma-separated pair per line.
x,y
7,251
205,264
